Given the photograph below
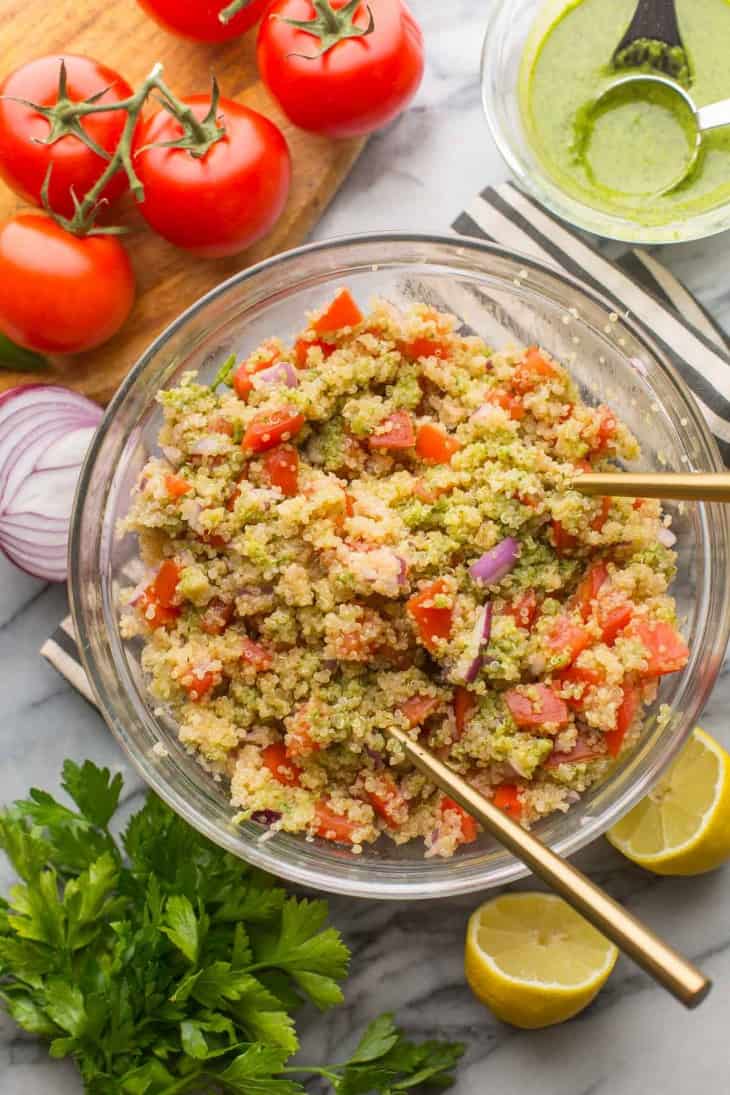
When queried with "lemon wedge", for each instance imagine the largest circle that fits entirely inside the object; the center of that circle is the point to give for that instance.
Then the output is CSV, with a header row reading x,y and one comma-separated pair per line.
x,y
682,827
533,960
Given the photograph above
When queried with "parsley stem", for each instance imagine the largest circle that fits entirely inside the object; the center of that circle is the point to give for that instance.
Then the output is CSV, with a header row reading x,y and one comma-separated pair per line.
x,y
312,1070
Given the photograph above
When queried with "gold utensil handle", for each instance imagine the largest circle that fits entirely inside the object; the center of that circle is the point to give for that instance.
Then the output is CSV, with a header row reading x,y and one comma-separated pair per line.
x,y
680,486
664,964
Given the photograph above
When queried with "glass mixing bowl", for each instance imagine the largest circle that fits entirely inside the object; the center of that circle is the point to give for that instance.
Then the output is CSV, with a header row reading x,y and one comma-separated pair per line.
x,y
504,298
517,26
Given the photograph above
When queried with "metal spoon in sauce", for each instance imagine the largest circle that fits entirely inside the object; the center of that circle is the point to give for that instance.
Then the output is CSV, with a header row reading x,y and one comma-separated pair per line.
x,y
694,120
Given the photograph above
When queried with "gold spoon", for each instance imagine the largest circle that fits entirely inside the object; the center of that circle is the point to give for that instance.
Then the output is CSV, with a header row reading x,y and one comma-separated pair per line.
x,y
657,958
687,486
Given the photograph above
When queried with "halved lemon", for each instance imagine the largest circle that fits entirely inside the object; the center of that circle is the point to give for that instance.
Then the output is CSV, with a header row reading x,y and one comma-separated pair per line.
x,y
682,827
533,960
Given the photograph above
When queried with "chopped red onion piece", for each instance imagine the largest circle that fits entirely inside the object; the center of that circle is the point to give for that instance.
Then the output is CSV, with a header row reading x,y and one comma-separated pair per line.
x,y
496,563
479,638
266,817
45,431
281,373
666,537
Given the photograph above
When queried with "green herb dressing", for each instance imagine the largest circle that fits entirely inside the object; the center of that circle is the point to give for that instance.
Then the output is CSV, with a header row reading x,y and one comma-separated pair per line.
x,y
621,156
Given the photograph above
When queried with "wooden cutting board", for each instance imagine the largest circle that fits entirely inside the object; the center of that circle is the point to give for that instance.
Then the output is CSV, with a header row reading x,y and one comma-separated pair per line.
x,y
120,34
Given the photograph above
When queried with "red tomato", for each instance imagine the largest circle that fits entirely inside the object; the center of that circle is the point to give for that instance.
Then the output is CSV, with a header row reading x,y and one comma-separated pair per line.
x,y
424,347
340,312
524,610
667,651
242,382
606,430
432,622
282,469
418,708
467,822
302,347
176,486
358,85
602,516
534,370
217,616
587,590
507,402
199,19
578,679
507,798
24,159
612,621
276,760
256,655
198,685
388,802
464,705
332,826
224,201
624,717
156,605
581,751
264,431
567,638
61,293
536,707
397,434
563,540
434,445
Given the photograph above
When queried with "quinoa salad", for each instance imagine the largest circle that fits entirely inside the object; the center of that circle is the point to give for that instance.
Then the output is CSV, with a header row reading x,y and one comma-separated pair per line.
x,y
373,527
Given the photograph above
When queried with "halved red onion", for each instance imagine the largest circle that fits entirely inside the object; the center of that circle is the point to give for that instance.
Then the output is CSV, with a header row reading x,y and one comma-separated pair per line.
x,y
281,373
495,564
45,431
479,639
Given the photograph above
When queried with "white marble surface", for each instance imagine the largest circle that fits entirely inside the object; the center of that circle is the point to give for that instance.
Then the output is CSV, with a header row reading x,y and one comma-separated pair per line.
x,y
634,1039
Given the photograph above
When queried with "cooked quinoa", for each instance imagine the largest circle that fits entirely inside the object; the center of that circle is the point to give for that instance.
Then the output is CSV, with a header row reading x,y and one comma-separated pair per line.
x,y
374,528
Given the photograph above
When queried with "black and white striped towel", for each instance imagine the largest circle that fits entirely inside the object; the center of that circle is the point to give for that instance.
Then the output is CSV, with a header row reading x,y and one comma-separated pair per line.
x,y
636,283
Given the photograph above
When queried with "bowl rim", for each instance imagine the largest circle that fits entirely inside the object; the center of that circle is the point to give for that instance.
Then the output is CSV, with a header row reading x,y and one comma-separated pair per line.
x,y
256,852
709,222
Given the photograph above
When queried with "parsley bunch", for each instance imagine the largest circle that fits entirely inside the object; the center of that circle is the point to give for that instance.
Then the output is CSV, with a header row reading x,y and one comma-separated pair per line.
x,y
167,965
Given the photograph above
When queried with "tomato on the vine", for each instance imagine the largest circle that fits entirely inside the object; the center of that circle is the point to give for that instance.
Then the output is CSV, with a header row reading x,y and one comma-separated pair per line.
x,y
201,19
220,202
340,69
25,157
61,293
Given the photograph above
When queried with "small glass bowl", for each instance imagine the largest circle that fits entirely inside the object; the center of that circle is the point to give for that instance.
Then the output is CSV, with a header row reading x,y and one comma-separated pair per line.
x,y
514,25
504,298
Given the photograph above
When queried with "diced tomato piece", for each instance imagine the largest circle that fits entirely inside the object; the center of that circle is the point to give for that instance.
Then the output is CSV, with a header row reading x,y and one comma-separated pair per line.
x,y
467,822
584,677
266,430
612,621
434,445
638,503
532,371
276,760
299,741
349,505
395,432
602,516
427,494
176,486
507,798
342,312
606,430
568,637
387,803
302,347
198,685
587,590
156,605
219,424
332,826
417,709
536,707
666,649
507,402
432,622
256,655
581,751
424,347
217,616
242,382
563,540
282,469
524,609
464,705
624,717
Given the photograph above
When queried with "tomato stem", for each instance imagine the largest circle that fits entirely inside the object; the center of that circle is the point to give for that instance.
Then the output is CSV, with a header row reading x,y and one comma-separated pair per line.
x,y
198,136
232,11
332,25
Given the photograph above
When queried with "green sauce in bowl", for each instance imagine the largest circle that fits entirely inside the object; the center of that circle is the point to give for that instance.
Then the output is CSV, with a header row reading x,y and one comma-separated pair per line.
x,y
620,156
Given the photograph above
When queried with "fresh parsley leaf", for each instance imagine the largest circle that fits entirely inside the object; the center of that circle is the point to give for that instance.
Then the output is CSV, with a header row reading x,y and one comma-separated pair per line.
x,y
252,1073
315,959
39,913
26,848
29,1015
89,901
404,1065
93,790
65,1006
181,926
379,1037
